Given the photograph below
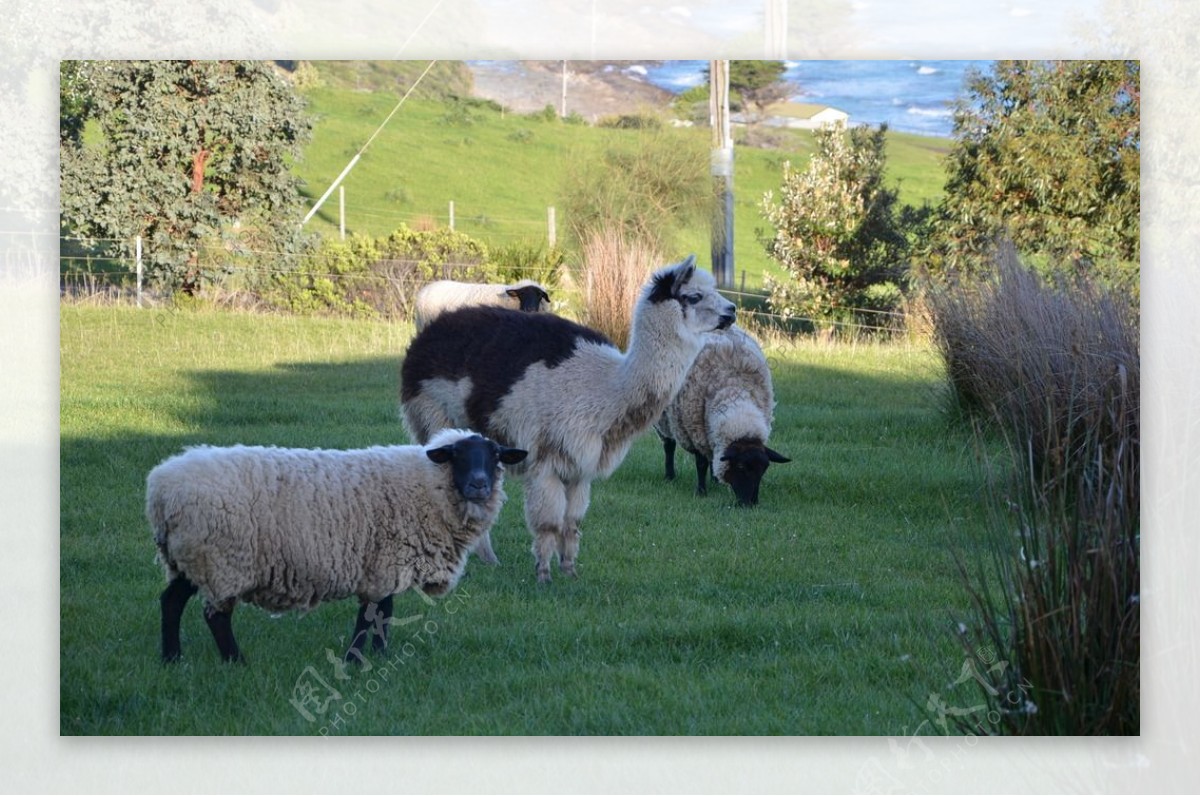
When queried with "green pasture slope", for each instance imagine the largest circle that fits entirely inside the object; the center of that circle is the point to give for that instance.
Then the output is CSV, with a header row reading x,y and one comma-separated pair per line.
x,y
503,170
826,610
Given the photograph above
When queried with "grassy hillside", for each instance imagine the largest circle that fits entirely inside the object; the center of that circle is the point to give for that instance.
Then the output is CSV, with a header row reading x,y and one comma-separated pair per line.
x,y
503,170
825,610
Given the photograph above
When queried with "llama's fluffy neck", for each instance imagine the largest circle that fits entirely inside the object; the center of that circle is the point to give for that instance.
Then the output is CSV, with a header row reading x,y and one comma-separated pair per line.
x,y
661,351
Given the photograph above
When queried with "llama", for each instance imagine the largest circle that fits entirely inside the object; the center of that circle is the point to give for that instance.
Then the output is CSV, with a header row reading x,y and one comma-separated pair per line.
x,y
561,391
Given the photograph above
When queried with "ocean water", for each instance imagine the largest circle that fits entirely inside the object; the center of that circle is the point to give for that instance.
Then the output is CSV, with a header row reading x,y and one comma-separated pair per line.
x,y
911,96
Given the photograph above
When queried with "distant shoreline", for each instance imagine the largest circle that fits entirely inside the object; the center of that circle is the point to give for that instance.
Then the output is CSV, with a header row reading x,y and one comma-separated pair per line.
x,y
594,89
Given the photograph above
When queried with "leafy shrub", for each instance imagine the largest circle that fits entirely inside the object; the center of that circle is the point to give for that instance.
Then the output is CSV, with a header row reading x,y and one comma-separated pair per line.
x,y
516,261
378,277
650,186
1055,370
837,233
632,121
692,105
466,111
546,114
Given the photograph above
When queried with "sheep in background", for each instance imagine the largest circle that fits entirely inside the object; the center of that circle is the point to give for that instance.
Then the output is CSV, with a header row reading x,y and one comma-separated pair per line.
x,y
444,295
560,390
723,415
286,528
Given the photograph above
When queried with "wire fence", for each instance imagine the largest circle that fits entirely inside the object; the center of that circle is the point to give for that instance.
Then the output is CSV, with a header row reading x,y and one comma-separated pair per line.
x,y
390,286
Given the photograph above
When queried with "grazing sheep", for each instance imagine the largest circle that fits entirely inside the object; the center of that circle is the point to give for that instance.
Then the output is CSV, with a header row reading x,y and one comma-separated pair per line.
x,y
723,415
560,390
286,528
437,297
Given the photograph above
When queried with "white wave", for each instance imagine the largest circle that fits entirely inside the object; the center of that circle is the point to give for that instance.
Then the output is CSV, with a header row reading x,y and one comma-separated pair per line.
x,y
939,112
637,69
928,70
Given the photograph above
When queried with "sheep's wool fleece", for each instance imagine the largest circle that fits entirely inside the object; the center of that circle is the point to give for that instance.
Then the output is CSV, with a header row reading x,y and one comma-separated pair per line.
x,y
443,295
727,396
290,528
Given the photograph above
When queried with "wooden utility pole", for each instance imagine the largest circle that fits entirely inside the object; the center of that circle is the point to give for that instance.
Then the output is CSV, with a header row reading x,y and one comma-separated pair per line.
x,y
722,172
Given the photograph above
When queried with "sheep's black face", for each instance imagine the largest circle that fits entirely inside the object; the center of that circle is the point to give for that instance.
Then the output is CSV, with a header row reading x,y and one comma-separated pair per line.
x,y
531,298
743,464
474,464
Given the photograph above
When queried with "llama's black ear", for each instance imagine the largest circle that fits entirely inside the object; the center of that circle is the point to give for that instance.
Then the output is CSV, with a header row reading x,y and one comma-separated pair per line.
x,y
684,269
668,280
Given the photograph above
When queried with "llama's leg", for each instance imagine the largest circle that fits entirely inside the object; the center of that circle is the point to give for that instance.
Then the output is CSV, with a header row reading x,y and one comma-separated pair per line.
x,y
578,497
173,600
545,507
428,413
701,474
220,622
669,455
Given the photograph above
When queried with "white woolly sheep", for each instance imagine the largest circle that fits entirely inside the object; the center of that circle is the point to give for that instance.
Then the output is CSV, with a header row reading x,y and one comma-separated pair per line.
x,y
444,295
723,414
287,528
560,390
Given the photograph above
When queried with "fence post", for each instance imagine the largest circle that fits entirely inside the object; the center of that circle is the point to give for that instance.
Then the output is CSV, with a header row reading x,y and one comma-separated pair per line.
x,y
138,254
451,215
342,211
551,233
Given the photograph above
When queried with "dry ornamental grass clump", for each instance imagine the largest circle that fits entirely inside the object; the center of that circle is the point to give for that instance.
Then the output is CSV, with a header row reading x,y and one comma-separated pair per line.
x,y
1054,369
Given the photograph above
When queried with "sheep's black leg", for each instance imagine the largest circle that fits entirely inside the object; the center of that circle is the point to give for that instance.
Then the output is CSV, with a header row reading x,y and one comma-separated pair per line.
x,y
701,474
371,616
362,629
669,455
173,600
221,625
383,617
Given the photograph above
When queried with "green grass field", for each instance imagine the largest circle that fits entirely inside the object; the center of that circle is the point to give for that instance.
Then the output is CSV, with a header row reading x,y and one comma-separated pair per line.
x,y
503,170
826,610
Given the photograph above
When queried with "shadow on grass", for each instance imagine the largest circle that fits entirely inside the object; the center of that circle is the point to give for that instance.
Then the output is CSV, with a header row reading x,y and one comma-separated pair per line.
x,y
110,679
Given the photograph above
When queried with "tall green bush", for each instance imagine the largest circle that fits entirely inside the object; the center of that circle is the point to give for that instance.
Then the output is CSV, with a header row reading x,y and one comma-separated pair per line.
x,y
192,157
650,185
379,276
837,233
1048,155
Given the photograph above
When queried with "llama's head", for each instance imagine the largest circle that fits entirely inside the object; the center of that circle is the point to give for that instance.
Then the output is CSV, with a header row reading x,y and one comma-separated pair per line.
x,y
694,293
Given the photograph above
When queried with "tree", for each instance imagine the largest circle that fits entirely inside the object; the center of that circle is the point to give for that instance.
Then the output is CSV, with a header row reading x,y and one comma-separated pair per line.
x,y
193,156
757,85
753,87
1047,154
74,100
837,232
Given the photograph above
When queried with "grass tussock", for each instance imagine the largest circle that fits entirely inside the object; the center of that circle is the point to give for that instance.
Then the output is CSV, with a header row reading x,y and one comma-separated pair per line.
x,y
1054,371
615,267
